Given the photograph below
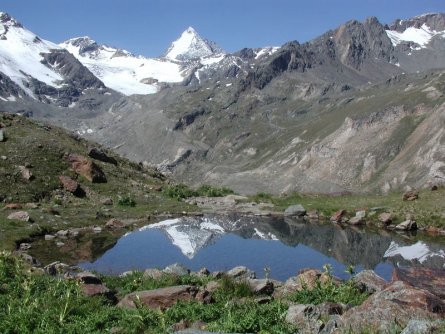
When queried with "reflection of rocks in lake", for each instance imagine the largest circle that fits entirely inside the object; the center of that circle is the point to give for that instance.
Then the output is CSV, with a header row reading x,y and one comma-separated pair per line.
x,y
85,247
347,245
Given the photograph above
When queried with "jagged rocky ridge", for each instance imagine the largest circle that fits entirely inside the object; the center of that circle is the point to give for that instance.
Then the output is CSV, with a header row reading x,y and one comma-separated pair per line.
x,y
359,108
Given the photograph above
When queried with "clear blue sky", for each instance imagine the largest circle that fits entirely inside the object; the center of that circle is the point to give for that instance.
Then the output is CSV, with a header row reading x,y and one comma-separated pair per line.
x,y
148,27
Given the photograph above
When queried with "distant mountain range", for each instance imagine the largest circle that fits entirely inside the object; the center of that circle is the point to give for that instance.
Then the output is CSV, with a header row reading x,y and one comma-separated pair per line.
x,y
359,108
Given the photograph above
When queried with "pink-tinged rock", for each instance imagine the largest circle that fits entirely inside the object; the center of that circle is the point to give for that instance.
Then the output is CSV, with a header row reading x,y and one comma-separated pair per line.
x,y
411,195
336,217
13,206
91,290
20,215
159,298
68,183
398,302
114,223
385,218
306,279
88,169
432,280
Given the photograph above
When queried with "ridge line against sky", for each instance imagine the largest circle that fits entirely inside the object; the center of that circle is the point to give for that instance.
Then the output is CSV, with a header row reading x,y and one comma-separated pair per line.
x,y
147,27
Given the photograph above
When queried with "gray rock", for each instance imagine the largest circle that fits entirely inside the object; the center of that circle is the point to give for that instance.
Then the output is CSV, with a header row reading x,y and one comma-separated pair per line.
x,y
176,269
295,210
30,259
49,237
62,233
360,214
97,229
241,273
332,325
407,225
369,281
153,273
2,136
419,327
24,246
305,317
356,221
261,286
55,268
20,215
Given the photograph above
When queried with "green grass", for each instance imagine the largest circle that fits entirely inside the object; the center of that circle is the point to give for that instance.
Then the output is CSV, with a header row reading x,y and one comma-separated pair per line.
x,y
31,303
428,210
182,191
345,292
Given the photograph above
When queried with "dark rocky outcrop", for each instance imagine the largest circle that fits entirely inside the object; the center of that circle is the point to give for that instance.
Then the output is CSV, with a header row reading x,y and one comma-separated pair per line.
x,y
100,155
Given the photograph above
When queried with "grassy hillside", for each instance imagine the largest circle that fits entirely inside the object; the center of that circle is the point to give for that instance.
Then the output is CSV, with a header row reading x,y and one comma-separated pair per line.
x,y
43,151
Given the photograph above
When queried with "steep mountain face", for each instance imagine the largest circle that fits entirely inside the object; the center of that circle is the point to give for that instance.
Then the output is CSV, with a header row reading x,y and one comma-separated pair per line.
x,y
359,108
40,70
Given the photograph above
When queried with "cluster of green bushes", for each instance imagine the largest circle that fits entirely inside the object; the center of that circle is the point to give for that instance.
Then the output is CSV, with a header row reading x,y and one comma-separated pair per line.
x,y
181,191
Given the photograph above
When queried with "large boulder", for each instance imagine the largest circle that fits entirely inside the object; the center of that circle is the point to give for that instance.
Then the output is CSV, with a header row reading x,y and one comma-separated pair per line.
x,y
88,169
432,280
159,298
295,210
397,303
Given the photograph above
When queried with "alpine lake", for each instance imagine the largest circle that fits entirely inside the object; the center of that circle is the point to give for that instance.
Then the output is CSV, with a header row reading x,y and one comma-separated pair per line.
x,y
274,247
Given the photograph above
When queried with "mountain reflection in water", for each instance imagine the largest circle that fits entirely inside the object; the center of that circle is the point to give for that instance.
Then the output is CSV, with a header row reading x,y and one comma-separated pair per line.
x,y
283,245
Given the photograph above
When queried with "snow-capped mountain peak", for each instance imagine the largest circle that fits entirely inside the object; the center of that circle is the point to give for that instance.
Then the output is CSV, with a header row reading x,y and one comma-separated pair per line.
x,y
420,29
6,19
21,55
190,45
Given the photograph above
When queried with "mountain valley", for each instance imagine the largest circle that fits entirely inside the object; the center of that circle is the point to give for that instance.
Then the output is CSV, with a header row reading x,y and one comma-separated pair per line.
x,y
358,109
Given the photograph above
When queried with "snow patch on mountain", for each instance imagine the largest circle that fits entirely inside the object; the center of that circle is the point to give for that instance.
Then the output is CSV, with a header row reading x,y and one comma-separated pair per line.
x,y
20,55
123,71
267,51
421,36
190,45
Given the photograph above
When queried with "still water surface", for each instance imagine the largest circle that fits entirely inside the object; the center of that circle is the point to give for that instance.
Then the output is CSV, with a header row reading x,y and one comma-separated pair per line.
x,y
283,245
